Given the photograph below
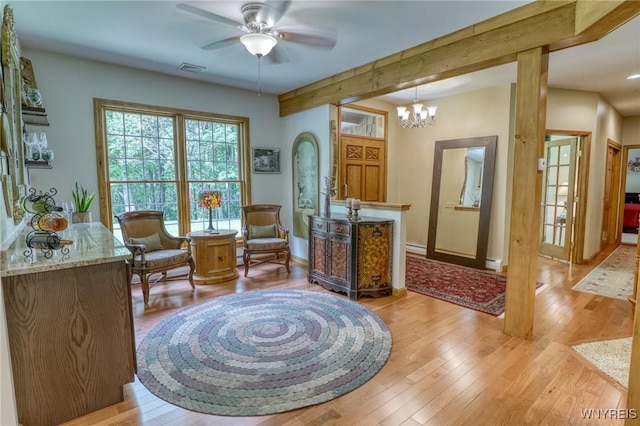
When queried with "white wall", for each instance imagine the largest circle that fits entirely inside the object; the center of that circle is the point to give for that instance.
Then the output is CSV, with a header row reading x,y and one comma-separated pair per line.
x,y
631,130
315,121
68,86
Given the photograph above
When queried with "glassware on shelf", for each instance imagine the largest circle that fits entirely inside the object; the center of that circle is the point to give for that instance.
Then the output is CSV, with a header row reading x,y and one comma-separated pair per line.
x,y
40,144
46,155
36,143
29,141
67,210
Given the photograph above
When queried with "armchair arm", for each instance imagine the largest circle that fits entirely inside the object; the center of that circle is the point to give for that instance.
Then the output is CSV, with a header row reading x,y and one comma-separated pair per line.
x,y
182,241
283,232
136,249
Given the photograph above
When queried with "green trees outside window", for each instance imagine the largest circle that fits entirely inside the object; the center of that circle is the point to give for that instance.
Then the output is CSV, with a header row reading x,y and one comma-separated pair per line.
x,y
162,159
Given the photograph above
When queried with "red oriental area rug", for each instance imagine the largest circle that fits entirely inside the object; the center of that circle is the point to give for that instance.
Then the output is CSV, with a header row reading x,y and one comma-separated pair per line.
x,y
482,291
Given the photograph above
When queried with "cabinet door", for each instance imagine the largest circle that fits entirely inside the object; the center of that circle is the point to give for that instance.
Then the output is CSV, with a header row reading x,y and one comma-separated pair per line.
x,y
374,256
221,256
318,253
340,259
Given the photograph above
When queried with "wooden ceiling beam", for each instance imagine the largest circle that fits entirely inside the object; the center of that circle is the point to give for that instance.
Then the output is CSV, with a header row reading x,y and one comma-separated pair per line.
x,y
496,41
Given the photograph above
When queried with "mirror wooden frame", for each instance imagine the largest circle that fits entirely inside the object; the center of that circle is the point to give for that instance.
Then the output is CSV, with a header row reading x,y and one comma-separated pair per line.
x,y
479,261
14,182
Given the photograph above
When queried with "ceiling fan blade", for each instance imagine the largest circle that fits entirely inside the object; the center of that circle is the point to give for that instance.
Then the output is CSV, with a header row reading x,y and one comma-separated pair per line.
x,y
221,43
209,15
272,11
324,40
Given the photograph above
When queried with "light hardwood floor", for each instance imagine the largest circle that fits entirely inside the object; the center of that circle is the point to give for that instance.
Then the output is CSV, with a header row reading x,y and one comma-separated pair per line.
x,y
448,365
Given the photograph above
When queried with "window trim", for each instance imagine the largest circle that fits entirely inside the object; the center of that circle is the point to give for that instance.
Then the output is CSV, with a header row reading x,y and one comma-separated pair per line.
x,y
179,115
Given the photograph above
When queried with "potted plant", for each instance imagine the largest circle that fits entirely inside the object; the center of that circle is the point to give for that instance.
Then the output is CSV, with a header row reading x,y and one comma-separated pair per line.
x,y
82,200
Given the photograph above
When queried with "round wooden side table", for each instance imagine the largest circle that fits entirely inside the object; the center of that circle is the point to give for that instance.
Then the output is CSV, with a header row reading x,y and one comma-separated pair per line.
x,y
214,256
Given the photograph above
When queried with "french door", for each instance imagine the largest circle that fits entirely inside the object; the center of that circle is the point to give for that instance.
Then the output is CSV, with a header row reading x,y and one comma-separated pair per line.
x,y
558,202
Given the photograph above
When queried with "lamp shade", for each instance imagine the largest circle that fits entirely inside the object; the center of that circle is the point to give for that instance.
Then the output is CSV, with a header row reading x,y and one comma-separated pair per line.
x,y
258,44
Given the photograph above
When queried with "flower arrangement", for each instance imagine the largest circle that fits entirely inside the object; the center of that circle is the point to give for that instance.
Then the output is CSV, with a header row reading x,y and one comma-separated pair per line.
x,y
210,199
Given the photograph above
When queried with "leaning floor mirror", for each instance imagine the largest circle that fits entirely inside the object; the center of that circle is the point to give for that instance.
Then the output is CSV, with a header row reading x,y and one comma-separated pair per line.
x,y
461,195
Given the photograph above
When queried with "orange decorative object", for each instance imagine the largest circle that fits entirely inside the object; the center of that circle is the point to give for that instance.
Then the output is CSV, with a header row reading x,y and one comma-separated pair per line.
x,y
210,199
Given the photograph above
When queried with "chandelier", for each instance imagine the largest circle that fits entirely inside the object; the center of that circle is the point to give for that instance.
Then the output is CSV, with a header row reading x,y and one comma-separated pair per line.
x,y
417,118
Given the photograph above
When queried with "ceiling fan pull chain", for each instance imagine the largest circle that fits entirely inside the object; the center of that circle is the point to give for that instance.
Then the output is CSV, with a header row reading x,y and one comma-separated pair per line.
x,y
259,77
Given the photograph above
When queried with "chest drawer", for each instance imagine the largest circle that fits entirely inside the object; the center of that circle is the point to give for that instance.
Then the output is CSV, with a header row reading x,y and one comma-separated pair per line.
x,y
319,225
339,228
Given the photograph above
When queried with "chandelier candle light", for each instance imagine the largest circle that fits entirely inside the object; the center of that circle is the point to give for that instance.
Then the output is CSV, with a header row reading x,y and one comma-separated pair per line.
x,y
417,118
210,199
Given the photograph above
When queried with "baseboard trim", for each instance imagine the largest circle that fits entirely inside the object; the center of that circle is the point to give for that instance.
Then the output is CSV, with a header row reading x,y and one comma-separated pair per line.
x,y
399,292
416,249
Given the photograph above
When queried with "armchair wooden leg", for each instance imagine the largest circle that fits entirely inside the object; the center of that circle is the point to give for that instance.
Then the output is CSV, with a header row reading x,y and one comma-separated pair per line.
x,y
246,258
287,261
144,280
192,266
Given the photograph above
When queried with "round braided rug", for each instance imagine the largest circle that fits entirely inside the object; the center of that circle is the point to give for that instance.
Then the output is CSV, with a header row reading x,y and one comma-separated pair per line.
x,y
263,352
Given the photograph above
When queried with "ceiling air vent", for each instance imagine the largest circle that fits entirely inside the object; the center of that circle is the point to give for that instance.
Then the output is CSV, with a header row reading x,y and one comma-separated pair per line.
x,y
190,68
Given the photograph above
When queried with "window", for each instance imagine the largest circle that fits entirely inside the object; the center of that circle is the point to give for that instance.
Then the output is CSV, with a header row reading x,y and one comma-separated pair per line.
x,y
155,158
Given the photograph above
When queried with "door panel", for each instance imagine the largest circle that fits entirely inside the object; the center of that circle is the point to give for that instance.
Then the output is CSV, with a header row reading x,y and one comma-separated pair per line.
x,y
556,228
372,184
353,181
363,168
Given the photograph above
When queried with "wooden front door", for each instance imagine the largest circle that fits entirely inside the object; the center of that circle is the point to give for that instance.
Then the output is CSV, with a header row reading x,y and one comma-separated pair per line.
x,y
363,168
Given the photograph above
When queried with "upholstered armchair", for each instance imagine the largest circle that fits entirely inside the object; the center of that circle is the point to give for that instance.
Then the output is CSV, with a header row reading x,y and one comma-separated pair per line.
x,y
264,235
153,249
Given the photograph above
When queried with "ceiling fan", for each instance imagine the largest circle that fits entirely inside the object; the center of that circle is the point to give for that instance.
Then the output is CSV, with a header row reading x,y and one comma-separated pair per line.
x,y
261,36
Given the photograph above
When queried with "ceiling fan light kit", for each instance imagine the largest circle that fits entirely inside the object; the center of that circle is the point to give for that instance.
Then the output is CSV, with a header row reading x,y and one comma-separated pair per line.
x,y
417,118
260,34
258,44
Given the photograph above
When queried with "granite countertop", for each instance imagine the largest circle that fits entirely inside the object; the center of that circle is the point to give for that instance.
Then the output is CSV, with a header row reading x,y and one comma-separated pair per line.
x,y
92,244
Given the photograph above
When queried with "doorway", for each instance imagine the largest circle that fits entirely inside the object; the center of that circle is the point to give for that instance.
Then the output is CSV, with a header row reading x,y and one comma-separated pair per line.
x,y
562,217
362,155
630,187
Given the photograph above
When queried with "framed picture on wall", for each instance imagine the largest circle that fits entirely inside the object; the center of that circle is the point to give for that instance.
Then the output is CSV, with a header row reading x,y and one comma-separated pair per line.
x,y
266,160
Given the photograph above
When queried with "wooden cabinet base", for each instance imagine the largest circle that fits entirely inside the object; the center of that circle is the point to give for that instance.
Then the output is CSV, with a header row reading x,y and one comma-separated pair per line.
x,y
71,340
214,255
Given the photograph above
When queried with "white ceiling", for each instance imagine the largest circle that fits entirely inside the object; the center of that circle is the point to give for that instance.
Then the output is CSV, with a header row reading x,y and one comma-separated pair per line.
x,y
158,36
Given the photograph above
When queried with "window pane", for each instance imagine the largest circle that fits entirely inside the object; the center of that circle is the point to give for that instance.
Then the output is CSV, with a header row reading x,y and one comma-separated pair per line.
x,y
363,123
141,154
212,151
225,217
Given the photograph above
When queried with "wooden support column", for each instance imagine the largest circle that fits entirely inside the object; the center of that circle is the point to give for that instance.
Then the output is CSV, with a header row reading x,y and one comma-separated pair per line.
x,y
531,109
